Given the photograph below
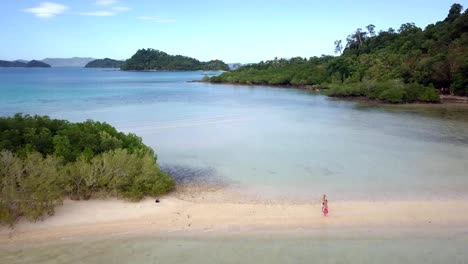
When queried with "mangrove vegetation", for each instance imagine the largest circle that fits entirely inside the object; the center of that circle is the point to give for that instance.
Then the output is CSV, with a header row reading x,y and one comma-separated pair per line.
x,y
44,160
408,64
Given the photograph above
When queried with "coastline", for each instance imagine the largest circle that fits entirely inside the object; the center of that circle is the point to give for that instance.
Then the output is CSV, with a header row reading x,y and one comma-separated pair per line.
x,y
205,217
286,86
444,99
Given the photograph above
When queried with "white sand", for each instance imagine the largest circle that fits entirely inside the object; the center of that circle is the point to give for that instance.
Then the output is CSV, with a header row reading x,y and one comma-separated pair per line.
x,y
174,215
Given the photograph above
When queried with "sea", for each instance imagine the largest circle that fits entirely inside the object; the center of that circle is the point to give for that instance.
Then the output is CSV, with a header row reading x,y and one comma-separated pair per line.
x,y
274,143
270,143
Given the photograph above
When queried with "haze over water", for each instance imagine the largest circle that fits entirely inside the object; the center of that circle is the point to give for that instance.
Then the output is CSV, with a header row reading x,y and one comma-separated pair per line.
x,y
268,142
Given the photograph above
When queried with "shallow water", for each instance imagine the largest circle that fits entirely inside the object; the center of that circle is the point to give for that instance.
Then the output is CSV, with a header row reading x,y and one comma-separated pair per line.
x,y
268,142
361,247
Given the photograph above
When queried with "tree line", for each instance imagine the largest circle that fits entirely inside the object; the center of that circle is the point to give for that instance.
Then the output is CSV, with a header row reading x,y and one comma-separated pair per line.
x,y
104,63
404,65
151,59
43,160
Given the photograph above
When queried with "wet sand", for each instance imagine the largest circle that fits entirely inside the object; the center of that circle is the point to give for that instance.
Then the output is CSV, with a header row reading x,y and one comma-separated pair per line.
x,y
175,215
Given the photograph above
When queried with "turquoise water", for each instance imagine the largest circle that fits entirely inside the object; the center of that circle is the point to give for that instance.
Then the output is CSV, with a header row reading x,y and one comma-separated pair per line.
x,y
271,142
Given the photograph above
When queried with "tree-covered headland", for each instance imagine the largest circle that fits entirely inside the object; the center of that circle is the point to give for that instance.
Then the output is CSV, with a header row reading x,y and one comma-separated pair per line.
x,y
43,160
104,63
408,64
151,59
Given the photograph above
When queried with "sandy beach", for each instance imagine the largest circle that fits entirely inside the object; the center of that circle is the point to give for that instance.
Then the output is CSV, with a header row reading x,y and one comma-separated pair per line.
x,y
174,215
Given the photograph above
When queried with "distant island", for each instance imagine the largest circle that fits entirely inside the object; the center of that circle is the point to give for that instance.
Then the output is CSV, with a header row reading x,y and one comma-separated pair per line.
x,y
151,59
30,64
4,63
104,63
394,66
36,63
48,62
142,60
68,62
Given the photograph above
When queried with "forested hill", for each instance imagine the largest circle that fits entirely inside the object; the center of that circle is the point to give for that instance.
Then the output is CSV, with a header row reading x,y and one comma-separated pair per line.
x,y
31,64
4,63
37,64
104,63
150,59
401,65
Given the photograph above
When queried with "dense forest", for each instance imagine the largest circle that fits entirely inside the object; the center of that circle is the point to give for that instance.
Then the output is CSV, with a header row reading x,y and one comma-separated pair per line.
x,y
43,160
104,63
150,59
31,64
404,65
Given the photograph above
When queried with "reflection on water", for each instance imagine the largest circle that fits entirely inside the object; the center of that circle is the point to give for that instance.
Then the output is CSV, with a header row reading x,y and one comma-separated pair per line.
x,y
187,175
440,111
274,142
443,122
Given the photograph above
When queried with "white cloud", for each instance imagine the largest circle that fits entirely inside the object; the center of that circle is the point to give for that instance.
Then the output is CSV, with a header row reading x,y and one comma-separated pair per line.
x,y
120,8
47,9
109,9
105,2
98,13
157,19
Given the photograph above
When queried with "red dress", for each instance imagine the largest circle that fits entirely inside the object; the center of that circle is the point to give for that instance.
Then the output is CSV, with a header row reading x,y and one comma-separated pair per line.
x,y
325,208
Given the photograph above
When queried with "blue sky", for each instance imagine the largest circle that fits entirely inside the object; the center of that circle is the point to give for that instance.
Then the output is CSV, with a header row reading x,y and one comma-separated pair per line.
x,y
234,31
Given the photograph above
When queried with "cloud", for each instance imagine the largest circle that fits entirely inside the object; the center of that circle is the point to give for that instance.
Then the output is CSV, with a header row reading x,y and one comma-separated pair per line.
x,y
47,9
105,2
109,10
98,13
157,19
120,8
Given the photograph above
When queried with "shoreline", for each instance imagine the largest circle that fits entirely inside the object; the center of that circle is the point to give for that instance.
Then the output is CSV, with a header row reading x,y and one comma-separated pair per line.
x,y
444,99
174,217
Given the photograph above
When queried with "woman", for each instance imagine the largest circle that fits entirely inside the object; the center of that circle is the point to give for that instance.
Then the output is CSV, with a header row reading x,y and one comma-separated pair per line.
x,y
324,205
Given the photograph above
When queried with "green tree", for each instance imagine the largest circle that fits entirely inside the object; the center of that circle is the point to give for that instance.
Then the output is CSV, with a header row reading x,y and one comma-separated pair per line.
x,y
44,160
151,59
435,57
338,46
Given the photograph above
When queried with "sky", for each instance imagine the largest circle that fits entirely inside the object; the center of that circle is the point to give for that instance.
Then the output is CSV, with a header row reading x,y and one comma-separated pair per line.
x,y
242,31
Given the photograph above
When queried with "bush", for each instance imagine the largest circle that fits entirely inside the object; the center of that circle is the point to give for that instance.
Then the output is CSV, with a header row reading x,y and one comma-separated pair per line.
x,y
378,88
30,187
205,78
417,92
216,79
119,173
413,90
393,91
345,90
55,158
429,95
279,79
393,95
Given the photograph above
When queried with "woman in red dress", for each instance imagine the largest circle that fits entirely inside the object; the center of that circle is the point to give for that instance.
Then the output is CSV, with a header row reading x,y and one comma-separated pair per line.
x,y
324,205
